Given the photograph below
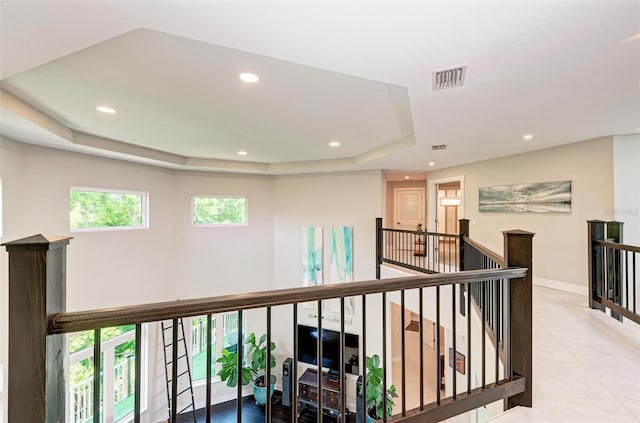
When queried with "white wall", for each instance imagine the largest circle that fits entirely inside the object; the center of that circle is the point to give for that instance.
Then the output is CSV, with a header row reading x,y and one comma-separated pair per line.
x,y
339,199
626,179
170,260
559,246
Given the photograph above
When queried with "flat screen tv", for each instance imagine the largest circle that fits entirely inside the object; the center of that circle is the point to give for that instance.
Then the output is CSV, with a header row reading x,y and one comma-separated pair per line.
x,y
308,348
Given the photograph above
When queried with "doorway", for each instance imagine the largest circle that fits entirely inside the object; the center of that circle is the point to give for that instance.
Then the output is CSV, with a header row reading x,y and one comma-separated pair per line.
x,y
408,208
448,200
446,204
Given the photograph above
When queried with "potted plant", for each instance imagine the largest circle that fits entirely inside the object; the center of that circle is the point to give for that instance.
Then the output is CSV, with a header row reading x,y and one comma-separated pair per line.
x,y
229,370
258,353
255,364
375,391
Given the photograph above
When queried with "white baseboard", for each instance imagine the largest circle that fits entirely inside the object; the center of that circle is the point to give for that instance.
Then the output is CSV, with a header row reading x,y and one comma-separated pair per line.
x,y
561,286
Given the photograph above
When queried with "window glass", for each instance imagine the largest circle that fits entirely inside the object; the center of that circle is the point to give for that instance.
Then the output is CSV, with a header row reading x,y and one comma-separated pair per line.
x,y
91,209
224,334
212,210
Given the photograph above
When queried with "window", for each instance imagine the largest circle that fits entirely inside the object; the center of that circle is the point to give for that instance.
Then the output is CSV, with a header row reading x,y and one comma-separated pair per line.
x,y
224,334
214,210
117,373
94,209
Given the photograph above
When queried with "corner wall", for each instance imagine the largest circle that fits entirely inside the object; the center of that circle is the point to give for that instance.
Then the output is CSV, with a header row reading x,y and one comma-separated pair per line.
x,y
560,244
170,260
626,168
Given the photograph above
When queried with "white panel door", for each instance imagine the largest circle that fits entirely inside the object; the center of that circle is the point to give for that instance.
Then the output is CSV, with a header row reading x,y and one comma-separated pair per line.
x,y
408,208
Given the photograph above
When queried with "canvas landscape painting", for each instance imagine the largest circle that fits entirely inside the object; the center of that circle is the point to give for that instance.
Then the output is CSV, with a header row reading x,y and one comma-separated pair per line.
x,y
541,197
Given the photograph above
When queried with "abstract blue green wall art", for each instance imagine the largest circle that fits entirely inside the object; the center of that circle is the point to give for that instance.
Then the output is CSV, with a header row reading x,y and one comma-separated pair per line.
x,y
341,266
341,263
312,256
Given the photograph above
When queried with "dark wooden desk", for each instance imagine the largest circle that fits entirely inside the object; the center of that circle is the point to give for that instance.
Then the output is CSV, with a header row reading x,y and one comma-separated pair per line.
x,y
308,393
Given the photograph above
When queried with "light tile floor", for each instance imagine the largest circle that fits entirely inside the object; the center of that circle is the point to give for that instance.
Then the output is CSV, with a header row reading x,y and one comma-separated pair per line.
x,y
586,364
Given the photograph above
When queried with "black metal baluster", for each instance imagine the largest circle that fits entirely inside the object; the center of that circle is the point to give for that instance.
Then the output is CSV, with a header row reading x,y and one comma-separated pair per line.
x,y
209,367
634,283
174,371
384,356
294,377
97,344
138,382
469,338
404,356
497,331
454,339
267,377
449,259
483,324
240,351
421,331
343,396
635,298
626,279
319,374
438,363
363,363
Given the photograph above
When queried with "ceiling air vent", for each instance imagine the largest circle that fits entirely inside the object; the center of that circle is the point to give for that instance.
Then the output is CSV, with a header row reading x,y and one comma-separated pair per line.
x,y
449,78
439,147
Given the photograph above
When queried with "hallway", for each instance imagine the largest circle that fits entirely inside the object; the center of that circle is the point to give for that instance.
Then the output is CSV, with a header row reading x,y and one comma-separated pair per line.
x,y
586,365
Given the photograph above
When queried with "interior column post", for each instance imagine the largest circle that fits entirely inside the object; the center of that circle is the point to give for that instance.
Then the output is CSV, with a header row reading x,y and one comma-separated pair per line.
x,y
37,290
518,248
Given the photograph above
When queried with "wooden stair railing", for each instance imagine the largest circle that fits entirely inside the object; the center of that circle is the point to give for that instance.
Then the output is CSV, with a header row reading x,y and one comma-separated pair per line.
x,y
38,322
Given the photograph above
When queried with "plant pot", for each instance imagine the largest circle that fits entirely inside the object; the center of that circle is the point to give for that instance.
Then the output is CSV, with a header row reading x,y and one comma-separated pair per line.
x,y
371,419
260,392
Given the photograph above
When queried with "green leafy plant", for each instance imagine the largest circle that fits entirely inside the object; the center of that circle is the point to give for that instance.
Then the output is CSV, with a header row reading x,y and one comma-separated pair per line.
x,y
254,363
258,353
375,389
229,369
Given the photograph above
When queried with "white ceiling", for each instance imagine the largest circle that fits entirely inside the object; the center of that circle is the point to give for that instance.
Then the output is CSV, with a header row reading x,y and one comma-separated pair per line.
x,y
359,72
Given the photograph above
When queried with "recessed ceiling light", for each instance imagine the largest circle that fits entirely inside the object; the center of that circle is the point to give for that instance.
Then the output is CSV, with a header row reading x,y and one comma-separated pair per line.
x,y
106,109
249,77
242,153
527,137
407,177
334,144
432,163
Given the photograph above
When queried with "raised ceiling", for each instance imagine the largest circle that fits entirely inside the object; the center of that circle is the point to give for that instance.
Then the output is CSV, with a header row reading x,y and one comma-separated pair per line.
x,y
358,72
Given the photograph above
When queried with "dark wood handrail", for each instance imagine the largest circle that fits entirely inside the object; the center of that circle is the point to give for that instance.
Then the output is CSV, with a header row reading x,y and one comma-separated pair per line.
x,y
407,231
95,319
484,250
616,246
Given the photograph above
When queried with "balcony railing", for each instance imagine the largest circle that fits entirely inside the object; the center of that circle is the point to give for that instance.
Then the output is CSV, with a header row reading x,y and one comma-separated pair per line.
x,y
491,298
427,252
613,270
37,287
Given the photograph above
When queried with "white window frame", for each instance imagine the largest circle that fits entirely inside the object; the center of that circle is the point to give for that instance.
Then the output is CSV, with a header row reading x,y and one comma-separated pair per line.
x,y
218,334
210,225
144,203
107,347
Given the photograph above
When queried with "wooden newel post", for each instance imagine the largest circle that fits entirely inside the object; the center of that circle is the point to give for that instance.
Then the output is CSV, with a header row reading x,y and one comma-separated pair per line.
x,y
518,252
464,231
37,290
379,245
595,232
